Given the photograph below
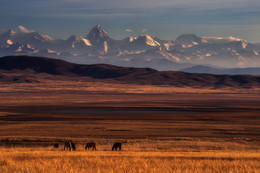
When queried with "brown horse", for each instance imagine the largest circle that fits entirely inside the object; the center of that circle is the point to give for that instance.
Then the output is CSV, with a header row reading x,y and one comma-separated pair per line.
x,y
116,146
90,145
73,146
56,146
70,145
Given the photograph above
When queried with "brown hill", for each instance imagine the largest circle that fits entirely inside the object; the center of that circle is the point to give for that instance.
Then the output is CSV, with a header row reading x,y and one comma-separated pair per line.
x,y
39,65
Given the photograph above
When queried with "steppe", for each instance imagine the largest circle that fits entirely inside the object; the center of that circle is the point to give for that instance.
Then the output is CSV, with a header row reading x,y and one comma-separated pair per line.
x,y
162,128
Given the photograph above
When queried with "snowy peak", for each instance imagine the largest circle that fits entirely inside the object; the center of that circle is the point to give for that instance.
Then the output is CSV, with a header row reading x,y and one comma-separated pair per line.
x,y
221,40
78,39
131,39
97,34
148,40
144,40
24,36
25,33
140,43
11,33
6,38
45,37
189,39
231,42
38,37
25,30
7,35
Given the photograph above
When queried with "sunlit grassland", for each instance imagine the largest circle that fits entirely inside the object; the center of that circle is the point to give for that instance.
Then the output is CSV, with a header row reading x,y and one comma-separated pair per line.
x,y
144,155
52,92
224,138
47,160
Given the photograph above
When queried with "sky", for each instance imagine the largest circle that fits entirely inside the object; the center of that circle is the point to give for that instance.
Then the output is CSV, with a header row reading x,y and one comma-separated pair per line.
x,y
166,19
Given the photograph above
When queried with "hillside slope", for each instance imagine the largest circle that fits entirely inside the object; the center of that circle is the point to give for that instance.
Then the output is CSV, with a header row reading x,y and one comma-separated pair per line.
x,y
32,66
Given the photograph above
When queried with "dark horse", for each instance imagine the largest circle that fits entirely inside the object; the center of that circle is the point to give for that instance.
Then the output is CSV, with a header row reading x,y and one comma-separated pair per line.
x,y
56,146
90,145
70,145
116,146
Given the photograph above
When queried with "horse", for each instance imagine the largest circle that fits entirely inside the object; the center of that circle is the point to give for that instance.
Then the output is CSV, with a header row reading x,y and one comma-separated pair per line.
x,y
90,145
116,146
56,146
70,145
73,146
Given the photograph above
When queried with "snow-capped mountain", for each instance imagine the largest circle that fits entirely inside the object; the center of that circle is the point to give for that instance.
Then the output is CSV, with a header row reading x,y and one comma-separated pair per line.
x,y
33,38
189,40
76,44
101,40
140,51
140,43
97,35
219,40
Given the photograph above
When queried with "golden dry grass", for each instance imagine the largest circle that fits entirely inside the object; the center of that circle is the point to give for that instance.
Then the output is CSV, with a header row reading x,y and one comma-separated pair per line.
x,y
137,155
47,160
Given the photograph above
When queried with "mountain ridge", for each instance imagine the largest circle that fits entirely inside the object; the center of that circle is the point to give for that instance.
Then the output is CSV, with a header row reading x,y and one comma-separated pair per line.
x,y
140,51
231,71
33,66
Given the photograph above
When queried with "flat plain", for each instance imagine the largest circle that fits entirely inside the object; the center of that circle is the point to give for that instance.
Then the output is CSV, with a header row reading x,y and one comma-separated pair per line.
x,y
161,128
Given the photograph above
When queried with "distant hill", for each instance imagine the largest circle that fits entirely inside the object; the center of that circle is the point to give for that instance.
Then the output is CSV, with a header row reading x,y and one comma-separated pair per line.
x,y
229,71
54,67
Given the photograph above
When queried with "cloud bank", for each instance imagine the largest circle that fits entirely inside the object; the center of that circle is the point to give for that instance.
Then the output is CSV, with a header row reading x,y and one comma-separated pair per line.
x,y
101,6
238,17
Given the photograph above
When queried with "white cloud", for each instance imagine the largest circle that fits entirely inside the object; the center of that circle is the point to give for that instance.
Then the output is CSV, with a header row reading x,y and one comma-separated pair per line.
x,y
155,4
111,8
128,30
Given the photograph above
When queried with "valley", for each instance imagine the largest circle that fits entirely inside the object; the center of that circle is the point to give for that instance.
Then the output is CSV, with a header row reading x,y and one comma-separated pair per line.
x,y
164,128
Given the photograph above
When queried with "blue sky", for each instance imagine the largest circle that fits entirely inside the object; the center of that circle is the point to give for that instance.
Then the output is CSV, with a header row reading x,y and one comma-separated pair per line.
x,y
166,19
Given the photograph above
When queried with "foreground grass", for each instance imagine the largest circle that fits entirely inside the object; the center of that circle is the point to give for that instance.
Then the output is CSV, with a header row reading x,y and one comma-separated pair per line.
x,y
49,160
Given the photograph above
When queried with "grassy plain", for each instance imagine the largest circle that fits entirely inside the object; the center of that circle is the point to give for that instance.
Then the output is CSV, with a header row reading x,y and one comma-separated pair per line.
x,y
40,160
162,128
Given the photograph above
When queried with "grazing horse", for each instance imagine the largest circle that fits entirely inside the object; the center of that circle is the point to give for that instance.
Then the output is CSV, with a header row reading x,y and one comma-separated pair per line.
x,y
73,146
90,145
70,145
56,146
116,146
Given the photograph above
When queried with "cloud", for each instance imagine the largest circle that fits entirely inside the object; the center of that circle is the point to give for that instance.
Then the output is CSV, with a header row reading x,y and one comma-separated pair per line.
x,y
99,6
25,30
135,9
155,4
128,30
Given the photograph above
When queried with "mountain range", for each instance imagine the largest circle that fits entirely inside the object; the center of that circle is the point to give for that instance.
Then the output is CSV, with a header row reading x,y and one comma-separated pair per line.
x,y
31,69
227,71
185,53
